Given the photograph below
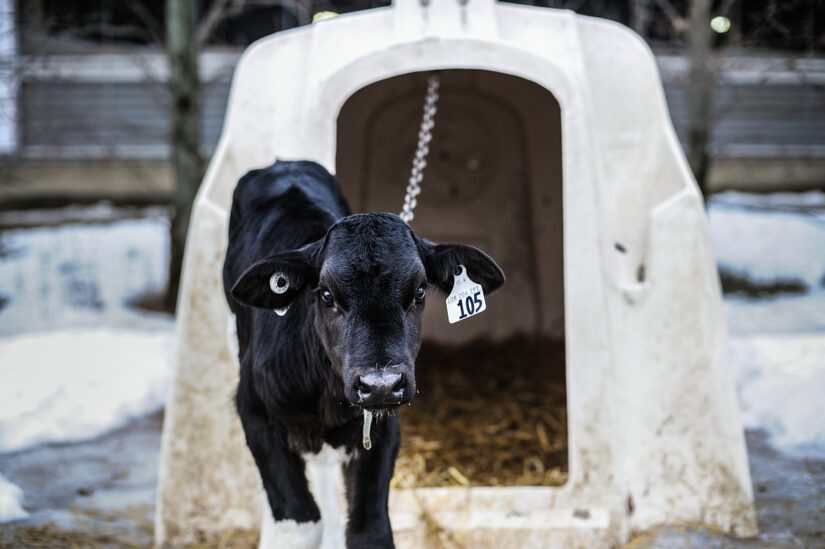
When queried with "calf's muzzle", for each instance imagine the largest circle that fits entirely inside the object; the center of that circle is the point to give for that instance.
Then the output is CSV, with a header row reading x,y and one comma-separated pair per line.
x,y
382,388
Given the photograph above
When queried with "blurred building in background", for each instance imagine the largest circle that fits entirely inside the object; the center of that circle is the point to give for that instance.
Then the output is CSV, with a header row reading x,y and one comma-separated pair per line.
x,y
84,111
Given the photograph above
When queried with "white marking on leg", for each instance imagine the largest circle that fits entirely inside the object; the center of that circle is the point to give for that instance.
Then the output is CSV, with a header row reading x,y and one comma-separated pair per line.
x,y
326,481
288,534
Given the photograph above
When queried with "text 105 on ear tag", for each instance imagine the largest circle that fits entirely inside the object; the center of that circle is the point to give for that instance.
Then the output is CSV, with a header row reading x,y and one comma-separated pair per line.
x,y
466,299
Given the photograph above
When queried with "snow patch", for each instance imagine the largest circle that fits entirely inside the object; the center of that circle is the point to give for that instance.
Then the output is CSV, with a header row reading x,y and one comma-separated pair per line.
x,y
781,383
79,275
10,498
768,243
101,212
780,200
778,315
777,344
78,384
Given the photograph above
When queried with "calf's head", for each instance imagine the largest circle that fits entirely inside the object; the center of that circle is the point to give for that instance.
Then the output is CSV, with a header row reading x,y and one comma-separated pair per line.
x,y
368,279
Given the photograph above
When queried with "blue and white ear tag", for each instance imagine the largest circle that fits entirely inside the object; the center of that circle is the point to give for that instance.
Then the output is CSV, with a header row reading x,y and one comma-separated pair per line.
x,y
466,299
279,283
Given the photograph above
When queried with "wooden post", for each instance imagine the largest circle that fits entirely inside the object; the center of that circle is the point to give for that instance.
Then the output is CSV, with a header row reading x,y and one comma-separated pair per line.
x,y
699,90
640,16
185,131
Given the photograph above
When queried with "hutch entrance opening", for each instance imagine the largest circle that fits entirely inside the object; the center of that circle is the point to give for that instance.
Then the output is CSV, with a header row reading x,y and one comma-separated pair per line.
x,y
492,404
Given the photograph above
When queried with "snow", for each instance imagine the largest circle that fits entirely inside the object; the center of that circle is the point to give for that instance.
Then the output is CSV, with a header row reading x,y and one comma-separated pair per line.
x,y
760,237
102,212
79,275
77,384
777,344
10,501
781,383
777,315
770,201
75,360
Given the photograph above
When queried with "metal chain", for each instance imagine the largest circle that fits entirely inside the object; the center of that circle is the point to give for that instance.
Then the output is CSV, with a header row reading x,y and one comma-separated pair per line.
x,y
425,134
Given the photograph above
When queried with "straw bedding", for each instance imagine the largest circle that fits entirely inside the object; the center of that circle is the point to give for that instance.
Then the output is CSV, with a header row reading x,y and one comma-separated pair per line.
x,y
487,414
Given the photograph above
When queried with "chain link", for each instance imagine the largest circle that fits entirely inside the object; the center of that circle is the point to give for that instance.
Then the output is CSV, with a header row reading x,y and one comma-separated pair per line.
x,y
425,134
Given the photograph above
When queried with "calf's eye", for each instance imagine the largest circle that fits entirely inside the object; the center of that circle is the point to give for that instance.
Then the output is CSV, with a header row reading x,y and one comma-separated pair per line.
x,y
419,294
327,298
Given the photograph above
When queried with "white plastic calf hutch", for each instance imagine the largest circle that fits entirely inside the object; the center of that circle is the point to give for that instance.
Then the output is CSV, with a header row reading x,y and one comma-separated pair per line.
x,y
554,151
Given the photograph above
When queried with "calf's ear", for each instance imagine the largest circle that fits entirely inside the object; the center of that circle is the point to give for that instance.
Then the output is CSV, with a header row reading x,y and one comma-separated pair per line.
x,y
274,282
442,262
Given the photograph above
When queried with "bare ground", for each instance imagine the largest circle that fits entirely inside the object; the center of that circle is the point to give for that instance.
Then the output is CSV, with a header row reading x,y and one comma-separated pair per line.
x,y
101,493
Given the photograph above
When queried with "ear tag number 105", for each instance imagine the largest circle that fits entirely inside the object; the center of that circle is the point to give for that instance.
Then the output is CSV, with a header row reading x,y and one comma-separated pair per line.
x,y
466,299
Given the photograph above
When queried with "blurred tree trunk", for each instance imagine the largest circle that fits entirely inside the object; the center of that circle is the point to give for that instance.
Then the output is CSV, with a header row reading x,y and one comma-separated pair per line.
x,y
187,163
699,90
640,16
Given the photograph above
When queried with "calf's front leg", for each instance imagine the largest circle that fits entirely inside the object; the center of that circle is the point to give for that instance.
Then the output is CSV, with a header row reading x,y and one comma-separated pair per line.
x,y
292,518
368,476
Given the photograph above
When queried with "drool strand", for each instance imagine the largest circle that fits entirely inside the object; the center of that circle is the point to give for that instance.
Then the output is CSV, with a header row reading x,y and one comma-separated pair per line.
x,y
366,434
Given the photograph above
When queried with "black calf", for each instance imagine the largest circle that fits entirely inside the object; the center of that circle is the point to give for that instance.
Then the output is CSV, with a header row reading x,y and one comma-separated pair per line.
x,y
353,288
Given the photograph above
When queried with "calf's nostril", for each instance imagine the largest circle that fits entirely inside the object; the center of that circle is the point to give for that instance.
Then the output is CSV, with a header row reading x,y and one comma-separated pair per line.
x,y
362,387
399,385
